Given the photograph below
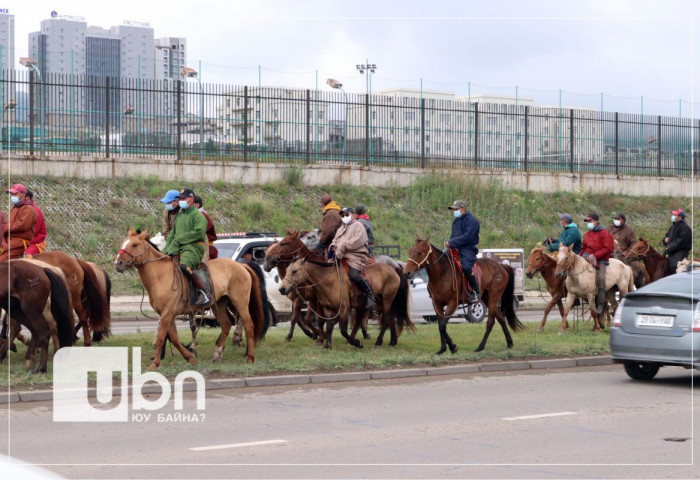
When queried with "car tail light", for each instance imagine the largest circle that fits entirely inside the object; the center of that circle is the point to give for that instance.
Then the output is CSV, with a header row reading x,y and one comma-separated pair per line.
x,y
696,318
617,319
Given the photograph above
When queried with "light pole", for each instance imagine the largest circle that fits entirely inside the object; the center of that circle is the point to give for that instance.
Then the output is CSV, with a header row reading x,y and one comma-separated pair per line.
x,y
128,110
333,83
369,68
32,64
9,105
192,73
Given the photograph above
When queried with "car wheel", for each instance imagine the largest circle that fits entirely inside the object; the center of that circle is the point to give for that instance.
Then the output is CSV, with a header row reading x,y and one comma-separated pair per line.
x,y
476,312
430,318
641,371
272,315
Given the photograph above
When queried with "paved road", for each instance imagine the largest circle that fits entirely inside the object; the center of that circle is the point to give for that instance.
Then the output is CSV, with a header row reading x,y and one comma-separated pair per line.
x,y
576,423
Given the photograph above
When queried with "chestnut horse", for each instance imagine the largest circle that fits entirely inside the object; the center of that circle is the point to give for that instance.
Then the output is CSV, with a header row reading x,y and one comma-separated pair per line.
x,y
446,288
655,263
541,261
37,298
235,285
90,290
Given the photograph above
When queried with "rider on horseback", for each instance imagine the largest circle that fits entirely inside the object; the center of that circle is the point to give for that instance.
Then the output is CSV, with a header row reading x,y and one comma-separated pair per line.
x,y
597,248
187,239
465,238
350,243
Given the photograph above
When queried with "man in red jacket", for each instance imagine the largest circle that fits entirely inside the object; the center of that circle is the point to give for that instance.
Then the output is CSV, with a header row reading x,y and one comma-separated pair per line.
x,y
597,248
212,252
38,244
18,230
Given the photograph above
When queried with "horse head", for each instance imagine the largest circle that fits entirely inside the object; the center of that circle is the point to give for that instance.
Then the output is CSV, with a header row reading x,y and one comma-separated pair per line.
x,y
565,260
296,276
310,239
536,261
639,250
417,257
133,251
271,256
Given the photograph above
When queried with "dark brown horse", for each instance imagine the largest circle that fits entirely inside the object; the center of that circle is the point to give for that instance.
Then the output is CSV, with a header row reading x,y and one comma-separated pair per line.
x,y
446,288
37,298
90,290
655,263
542,262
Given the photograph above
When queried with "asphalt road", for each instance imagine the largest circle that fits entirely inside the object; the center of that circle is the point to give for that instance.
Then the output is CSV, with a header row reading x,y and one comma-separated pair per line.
x,y
572,423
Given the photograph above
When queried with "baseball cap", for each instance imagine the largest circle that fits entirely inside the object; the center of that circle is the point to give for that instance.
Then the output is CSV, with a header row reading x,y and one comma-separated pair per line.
x,y
566,217
186,192
170,196
620,215
457,205
17,188
679,213
593,216
347,210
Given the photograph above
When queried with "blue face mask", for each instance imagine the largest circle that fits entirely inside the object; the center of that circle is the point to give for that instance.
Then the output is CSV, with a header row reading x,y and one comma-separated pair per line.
x,y
183,204
673,217
457,213
591,226
14,200
169,206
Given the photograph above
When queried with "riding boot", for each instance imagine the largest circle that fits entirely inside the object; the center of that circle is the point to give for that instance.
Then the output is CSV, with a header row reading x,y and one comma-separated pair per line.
x,y
600,301
475,294
203,296
371,301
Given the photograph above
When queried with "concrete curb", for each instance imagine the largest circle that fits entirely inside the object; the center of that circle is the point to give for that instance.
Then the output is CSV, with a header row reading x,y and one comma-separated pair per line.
x,y
279,380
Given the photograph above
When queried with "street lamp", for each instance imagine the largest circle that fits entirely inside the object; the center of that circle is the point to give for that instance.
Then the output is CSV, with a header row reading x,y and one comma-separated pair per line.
x,y
192,73
32,64
128,110
369,68
333,83
10,104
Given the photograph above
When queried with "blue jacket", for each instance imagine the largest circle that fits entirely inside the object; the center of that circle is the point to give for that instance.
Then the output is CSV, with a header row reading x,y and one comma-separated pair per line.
x,y
465,235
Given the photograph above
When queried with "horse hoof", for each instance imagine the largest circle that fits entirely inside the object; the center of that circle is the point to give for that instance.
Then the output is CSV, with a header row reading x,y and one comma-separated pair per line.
x,y
510,345
479,349
287,339
367,336
40,370
152,366
454,349
540,329
192,361
441,351
13,347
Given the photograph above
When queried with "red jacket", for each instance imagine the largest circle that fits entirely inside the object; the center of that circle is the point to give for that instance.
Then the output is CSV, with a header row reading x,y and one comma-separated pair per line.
x,y
599,243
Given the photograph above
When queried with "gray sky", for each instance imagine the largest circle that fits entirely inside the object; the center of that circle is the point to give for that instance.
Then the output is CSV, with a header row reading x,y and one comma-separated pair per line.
x,y
624,49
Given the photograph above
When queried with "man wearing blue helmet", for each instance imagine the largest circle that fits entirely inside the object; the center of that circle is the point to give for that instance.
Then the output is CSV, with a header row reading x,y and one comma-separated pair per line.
x,y
171,209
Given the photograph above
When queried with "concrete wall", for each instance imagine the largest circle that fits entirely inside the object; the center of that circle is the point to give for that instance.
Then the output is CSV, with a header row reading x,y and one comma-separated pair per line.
x,y
325,174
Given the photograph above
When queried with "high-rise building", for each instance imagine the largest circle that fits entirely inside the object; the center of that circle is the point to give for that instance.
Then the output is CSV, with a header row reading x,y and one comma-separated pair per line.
x,y
7,39
170,57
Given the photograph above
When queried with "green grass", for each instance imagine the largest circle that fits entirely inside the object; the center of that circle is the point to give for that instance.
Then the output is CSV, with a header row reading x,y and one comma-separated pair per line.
x,y
274,356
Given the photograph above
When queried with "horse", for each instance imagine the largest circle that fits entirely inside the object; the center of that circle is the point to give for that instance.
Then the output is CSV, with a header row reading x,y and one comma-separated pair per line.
x,y
688,265
655,263
446,288
90,290
541,261
331,286
580,278
235,285
37,298
641,276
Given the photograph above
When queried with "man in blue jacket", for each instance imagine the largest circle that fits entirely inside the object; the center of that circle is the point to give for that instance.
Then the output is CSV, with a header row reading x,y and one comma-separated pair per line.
x,y
465,238
570,235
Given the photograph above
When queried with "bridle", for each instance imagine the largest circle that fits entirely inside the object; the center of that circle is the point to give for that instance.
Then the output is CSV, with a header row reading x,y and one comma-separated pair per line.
x,y
138,260
646,253
295,287
430,250
571,265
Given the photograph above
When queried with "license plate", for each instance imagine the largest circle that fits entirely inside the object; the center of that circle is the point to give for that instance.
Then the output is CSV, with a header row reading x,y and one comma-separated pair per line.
x,y
655,320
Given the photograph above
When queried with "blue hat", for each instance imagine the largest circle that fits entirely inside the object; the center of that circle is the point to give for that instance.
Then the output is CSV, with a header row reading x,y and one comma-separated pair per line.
x,y
170,196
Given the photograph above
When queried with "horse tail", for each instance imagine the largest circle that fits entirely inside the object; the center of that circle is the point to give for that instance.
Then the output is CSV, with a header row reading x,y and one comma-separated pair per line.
x,y
258,304
61,309
507,301
399,307
95,299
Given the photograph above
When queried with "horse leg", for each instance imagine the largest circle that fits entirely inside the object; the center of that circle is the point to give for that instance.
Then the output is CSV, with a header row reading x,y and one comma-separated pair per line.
x,y
548,309
357,323
222,312
31,350
43,345
489,326
329,335
175,340
83,321
504,326
237,337
163,326
594,313
394,334
445,339
570,299
365,323
193,328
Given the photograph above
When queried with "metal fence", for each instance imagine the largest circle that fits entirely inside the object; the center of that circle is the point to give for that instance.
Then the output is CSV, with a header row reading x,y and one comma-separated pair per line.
x,y
118,117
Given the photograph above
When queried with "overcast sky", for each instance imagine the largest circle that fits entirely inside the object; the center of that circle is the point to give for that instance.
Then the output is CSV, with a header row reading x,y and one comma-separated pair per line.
x,y
624,49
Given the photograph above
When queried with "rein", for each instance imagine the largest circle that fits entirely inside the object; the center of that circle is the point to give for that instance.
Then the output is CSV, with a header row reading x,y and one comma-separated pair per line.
x,y
646,254
455,278
571,265
296,288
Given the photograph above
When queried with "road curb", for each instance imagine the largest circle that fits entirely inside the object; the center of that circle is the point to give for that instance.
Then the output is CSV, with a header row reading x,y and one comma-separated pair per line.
x,y
281,380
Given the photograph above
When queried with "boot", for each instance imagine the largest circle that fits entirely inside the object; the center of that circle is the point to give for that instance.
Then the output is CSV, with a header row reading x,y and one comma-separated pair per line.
x,y
369,294
475,294
600,301
202,297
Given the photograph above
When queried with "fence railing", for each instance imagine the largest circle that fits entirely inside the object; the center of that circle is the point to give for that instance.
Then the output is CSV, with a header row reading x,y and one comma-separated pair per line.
x,y
118,117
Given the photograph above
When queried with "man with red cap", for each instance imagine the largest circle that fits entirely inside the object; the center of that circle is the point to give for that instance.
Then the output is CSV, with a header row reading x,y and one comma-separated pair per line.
x,y
38,244
678,241
18,231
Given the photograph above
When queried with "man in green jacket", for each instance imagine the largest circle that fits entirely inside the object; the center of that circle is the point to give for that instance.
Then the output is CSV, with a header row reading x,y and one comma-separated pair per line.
x,y
188,239
569,236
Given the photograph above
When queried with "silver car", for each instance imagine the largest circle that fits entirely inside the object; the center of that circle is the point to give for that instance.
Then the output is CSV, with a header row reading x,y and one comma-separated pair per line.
x,y
658,325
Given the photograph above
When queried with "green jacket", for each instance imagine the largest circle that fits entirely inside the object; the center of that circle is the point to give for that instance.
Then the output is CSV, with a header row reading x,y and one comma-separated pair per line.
x,y
188,237
570,235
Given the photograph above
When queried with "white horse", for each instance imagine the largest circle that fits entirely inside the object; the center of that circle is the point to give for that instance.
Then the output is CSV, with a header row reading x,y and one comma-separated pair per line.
x,y
580,282
688,265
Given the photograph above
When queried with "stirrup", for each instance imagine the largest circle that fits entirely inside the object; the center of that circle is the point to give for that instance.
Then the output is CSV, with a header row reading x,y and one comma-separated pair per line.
x,y
202,298
370,302
473,297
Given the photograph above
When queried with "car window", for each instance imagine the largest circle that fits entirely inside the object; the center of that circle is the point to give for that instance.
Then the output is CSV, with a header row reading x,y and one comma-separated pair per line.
x,y
226,249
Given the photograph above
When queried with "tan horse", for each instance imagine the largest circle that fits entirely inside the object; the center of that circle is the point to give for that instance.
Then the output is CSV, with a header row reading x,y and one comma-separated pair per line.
x,y
541,261
235,285
580,282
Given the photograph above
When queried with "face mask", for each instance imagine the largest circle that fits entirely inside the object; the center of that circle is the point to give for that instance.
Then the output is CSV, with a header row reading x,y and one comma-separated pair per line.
x,y
346,219
617,223
673,217
15,200
183,204
591,226
168,206
457,213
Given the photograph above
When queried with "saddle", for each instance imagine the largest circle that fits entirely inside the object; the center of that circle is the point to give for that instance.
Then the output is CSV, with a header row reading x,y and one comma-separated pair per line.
x,y
476,270
202,272
358,296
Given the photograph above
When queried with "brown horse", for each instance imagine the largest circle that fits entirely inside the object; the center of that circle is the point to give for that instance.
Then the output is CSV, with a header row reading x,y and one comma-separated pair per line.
x,y
37,298
446,288
655,263
541,261
235,285
90,289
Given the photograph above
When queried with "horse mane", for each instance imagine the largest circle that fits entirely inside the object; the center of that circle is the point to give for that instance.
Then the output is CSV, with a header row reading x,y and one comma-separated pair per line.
x,y
319,260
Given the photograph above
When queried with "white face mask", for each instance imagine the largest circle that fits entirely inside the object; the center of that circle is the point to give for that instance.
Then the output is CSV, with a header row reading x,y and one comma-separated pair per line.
x,y
617,223
673,218
347,219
